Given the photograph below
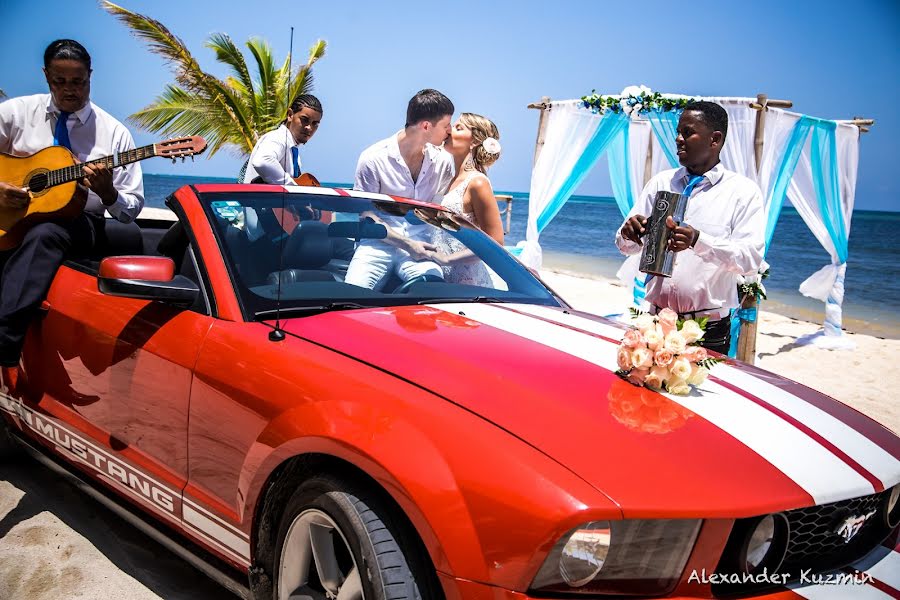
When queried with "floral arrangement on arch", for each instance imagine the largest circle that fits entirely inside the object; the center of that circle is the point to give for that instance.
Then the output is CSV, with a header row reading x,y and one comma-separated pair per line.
x,y
634,100
661,352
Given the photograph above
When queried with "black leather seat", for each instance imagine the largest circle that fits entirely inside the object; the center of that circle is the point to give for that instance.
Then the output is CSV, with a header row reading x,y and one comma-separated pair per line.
x,y
307,253
120,239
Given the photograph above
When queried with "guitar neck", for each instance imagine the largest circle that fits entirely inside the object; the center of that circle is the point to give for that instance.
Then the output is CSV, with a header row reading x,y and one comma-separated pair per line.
x,y
76,172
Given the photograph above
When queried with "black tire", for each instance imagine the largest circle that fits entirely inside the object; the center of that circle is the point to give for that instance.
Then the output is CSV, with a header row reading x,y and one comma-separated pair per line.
x,y
364,535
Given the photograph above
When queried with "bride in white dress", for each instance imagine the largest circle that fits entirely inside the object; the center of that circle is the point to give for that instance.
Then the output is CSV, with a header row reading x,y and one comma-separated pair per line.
x,y
474,144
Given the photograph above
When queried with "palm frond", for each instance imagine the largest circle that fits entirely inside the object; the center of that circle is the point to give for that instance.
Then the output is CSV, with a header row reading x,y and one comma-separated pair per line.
x,y
161,41
228,53
230,112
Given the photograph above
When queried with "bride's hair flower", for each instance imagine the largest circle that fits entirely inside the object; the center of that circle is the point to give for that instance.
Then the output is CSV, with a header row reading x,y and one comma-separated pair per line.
x,y
491,145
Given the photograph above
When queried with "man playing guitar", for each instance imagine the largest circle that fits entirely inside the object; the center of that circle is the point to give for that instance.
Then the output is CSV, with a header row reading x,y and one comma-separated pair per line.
x,y
64,117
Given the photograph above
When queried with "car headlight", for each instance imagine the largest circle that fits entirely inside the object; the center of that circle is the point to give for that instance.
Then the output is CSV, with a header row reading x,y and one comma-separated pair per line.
x,y
619,557
892,507
765,544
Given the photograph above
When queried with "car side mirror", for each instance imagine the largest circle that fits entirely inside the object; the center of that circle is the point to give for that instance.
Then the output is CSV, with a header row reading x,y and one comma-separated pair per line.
x,y
146,278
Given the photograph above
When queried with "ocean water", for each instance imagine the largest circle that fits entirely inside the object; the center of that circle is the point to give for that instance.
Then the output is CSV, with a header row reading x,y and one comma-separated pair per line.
x,y
580,240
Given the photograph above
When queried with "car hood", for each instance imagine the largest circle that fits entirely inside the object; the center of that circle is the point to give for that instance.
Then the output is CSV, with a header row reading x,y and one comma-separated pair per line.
x,y
746,442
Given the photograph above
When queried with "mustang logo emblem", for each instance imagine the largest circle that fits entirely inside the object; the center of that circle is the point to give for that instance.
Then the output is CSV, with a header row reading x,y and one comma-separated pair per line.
x,y
850,526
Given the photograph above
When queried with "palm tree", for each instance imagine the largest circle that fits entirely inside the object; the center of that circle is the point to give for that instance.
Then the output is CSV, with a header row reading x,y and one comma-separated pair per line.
x,y
233,112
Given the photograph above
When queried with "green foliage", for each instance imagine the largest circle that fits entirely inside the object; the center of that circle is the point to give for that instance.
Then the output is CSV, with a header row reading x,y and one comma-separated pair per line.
x,y
233,112
710,362
642,103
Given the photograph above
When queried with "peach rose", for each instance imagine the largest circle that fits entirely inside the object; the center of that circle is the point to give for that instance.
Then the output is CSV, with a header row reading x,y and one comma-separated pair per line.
x,y
675,342
623,358
698,375
656,377
691,331
633,339
679,387
695,353
637,376
642,358
668,319
681,368
663,357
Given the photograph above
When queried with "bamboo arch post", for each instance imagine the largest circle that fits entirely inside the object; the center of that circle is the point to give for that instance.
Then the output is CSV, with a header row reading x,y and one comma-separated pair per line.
x,y
746,347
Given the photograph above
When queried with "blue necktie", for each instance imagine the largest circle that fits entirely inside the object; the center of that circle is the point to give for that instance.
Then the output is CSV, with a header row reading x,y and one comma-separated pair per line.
x,y
690,186
295,153
61,135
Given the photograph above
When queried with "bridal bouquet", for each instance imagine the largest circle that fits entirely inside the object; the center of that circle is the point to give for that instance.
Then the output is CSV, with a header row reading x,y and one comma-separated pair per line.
x,y
661,352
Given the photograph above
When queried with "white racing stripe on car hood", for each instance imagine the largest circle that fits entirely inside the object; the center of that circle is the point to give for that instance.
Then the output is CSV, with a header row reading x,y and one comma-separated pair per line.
x,y
810,465
869,455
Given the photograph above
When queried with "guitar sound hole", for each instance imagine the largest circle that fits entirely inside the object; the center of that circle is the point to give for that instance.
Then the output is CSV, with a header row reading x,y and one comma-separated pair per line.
x,y
38,183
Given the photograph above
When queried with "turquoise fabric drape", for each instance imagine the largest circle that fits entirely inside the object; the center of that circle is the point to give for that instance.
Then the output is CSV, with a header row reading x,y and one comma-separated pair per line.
x,y
609,128
790,156
823,153
620,170
665,126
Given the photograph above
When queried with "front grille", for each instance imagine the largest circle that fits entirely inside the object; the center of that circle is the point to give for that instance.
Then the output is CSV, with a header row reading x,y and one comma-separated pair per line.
x,y
814,542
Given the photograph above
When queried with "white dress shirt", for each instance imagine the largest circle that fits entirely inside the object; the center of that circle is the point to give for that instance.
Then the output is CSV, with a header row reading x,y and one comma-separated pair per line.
x,y
271,158
727,210
27,125
381,168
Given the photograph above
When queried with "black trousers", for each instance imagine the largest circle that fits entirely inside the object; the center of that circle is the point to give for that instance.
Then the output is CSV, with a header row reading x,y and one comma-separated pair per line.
x,y
28,271
717,336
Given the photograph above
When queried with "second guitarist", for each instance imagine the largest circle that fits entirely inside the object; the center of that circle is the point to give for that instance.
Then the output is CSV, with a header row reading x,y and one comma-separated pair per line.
x,y
64,117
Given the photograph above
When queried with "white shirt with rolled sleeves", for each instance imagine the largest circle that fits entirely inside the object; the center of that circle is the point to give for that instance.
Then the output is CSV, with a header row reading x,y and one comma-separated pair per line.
x,y
727,209
381,169
271,158
27,124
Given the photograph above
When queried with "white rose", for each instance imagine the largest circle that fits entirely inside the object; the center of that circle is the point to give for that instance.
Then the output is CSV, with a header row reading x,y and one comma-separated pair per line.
x,y
637,107
643,321
626,108
679,387
680,368
691,331
675,342
491,146
653,337
645,91
631,90
642,358
698,375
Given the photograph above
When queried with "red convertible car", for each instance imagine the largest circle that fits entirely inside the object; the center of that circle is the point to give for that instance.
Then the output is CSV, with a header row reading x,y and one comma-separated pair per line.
x,y
315,393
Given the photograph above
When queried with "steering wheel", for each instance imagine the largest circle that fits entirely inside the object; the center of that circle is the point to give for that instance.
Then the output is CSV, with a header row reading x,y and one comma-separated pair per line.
x,y
403,288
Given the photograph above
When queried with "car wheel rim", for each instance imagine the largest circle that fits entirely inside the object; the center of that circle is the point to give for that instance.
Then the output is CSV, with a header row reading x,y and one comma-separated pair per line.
x,y
317,562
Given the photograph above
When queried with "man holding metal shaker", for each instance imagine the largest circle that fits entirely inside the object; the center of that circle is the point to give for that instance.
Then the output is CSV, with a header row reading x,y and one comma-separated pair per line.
x,y
699,227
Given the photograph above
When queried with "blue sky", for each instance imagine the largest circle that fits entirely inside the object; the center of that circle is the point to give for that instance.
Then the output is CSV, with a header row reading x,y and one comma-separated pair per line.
x,y
832,59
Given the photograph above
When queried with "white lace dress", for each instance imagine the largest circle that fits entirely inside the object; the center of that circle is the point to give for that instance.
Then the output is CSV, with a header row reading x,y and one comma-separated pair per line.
x,y
471,273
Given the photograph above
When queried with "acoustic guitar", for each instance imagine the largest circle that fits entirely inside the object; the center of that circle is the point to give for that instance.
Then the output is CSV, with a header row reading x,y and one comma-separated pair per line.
x,y
51,175
288,219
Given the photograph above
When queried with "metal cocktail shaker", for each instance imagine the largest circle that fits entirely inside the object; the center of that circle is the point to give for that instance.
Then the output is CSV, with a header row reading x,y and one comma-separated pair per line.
x,y
655,259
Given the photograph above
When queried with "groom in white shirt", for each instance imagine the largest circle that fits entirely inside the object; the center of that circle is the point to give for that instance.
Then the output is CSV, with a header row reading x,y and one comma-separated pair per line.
x,y
721,236
411,164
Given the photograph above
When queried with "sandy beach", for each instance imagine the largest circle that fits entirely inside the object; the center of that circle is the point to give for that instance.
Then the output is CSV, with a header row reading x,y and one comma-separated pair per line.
x,y
56,542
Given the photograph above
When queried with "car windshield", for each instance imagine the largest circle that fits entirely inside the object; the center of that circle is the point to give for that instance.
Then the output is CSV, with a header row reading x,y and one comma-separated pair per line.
x,y
306,252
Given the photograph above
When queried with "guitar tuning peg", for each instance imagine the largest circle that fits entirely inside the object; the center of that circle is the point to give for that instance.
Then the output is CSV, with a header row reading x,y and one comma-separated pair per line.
x,y
173,160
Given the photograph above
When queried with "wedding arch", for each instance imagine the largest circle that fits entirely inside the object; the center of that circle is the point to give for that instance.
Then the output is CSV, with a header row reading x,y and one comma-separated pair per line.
x,y
810,160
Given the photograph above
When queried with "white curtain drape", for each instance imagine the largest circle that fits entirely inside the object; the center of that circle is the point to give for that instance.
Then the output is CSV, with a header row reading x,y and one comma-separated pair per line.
x,y
827,284
568,131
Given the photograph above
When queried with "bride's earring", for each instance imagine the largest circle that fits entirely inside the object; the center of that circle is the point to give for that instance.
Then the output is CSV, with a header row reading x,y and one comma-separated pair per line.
x,y
469,164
